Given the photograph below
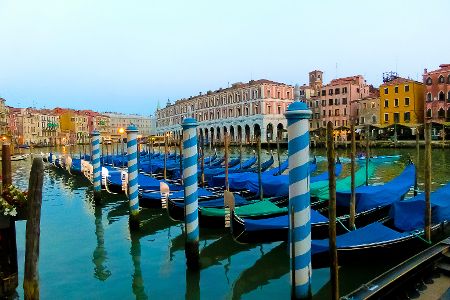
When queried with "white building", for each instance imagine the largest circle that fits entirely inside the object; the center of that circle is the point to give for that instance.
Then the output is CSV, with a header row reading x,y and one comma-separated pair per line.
x,y
145,124
244,110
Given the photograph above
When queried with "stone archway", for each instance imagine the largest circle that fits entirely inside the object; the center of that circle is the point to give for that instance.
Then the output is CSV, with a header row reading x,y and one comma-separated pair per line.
x,y
256,131
247,134
239,133
218,134
280,130
269,132
211,132
232,133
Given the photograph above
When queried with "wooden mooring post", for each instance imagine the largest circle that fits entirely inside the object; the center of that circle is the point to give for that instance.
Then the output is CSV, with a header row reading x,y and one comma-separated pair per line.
x,y
353,189
33,231
190,158
332,214
427,181
8,246
227,159
97,169
278,156
133,195
367,155
297,116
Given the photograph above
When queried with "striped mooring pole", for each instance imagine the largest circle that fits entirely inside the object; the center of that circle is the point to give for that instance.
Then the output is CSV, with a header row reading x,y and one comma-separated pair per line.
x,y
132,132
297,116
190,156
97,170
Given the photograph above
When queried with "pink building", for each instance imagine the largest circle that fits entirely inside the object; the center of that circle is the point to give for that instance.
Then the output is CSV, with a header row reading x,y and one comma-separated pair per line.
x,y
338,100
437,94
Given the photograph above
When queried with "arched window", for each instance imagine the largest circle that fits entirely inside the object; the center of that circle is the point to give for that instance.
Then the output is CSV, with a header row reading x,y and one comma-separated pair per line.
x,y
441,113
429,81
441,96
374,119
429,97
441,79
429,115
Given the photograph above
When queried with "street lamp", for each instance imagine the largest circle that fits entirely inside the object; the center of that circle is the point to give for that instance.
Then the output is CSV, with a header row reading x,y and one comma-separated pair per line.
x,y
121,131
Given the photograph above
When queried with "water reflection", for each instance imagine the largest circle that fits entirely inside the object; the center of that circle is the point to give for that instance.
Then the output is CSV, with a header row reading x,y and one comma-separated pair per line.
x,y
138,280
271,265
99,257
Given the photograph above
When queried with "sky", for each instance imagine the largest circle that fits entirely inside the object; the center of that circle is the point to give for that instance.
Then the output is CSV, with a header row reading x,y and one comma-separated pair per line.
x,y
125,56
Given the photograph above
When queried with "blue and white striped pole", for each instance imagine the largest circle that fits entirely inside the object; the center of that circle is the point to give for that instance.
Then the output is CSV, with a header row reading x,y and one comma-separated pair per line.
x,y
190,156
297,116
132,132
97,174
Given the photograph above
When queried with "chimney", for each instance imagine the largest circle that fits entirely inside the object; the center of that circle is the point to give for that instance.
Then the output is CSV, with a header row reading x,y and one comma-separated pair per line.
x,y
425,71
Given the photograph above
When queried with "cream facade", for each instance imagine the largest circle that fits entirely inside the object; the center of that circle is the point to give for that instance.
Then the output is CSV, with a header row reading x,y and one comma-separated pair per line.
x,y
244,110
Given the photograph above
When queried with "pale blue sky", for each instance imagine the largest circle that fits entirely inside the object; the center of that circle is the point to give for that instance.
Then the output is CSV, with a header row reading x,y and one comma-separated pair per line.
x,y
124,56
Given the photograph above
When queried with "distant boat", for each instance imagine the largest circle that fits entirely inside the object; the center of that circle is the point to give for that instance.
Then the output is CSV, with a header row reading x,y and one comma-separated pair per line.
x,y
380,158
24,146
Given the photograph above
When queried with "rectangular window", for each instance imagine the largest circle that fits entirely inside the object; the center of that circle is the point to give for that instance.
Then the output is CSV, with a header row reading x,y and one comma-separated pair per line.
x,y
344,101
324,92
330,101
316,103
386,103
344,90
396,89
386,117
337,102
406,101
407,116
324,102
329,113
395,102
396,117
336,112
324,113
345,111
337,91
362,120
330,92
386,91
406,88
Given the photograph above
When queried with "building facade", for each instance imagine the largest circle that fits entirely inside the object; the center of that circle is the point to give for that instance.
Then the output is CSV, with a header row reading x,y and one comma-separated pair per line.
x,y
437,93
244,111
369,110
310,94
145,124
402,102
337,102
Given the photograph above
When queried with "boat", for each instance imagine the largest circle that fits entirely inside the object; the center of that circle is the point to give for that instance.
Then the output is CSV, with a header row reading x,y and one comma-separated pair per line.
x,y
399,235
17,157
153,199
370,208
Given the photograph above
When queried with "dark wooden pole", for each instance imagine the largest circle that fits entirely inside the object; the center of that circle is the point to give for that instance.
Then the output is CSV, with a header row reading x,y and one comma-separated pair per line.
x,y
367,155
227,187
332,214
278,156
443,135
180,147
203,163
165,155
427,181
261,196
10,271
416,186
353,195
34,202
240,152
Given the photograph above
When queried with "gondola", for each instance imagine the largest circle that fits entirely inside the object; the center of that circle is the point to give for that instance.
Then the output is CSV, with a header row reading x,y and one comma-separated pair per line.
x,y
370,208
380,158
400,234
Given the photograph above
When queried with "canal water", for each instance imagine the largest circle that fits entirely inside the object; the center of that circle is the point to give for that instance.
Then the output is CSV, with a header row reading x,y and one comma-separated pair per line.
x,y
87,252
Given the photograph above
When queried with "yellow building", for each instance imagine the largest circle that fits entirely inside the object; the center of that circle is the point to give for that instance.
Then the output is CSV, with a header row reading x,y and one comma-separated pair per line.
x,y
402,102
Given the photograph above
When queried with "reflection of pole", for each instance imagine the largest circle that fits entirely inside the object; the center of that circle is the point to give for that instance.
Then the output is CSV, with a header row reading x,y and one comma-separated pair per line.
x,y
133,176
192,284
367,155
353,195
138,281
427,181
416,187
278,156
190,157
96,166
261,196
225,143
166,139
332,214
99,256
299,203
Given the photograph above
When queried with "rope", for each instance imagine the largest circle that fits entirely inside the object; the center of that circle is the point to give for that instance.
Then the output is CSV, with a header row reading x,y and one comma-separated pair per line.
x,y
340,222
417,234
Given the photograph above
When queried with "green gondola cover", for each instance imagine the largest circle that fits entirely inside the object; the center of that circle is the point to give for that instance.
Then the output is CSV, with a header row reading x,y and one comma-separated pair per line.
x,y
257,208
321,189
